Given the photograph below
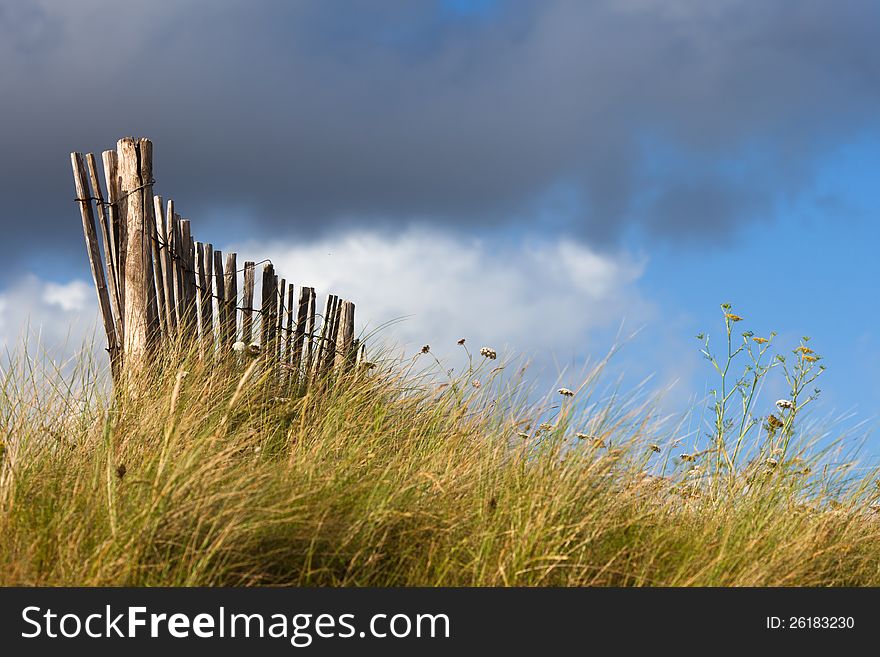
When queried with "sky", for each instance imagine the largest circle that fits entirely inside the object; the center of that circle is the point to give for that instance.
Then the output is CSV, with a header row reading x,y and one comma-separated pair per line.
x,y
540,177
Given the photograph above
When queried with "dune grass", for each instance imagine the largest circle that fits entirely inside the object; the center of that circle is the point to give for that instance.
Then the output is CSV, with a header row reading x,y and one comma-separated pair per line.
x,y
215,474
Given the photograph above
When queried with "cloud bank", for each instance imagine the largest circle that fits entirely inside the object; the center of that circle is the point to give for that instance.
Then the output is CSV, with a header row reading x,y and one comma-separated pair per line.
x,y
681,120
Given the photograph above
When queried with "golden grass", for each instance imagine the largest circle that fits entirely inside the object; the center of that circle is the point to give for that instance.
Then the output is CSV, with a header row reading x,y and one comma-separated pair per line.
x,y
223,477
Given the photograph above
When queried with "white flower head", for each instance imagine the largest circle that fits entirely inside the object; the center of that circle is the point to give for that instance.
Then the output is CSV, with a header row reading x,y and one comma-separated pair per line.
x,y
489,353
784,404
239,347
565,392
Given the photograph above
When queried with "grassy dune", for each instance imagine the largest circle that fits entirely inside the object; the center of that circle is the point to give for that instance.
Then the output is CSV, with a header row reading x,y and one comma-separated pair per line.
x,y
390,478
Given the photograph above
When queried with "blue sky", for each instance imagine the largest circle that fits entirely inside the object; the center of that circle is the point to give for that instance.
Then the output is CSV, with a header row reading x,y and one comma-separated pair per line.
x,y
527,174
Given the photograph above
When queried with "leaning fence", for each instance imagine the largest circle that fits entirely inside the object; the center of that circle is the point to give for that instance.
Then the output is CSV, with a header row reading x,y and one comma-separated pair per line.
x,y
158,287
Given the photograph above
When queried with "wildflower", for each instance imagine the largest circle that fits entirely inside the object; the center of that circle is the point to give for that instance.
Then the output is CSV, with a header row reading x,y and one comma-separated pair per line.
x,y
783,404
654,448
460,342
774,422
475,383
523,434
771,462
426,348
761,340
583,436
545,426
688,458
732,317
804,350
239,347
486,352
694,472
254,349
811,359
776,452
565,392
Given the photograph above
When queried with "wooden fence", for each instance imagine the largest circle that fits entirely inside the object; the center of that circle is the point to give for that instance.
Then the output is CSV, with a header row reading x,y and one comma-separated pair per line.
x,y
159,288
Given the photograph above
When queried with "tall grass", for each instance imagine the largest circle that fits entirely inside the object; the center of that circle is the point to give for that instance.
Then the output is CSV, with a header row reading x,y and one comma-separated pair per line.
x,y
212,474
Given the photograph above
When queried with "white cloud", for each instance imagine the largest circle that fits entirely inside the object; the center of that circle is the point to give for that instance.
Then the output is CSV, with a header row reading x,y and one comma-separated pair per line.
x,y
70,297
554,301
59,317
544,297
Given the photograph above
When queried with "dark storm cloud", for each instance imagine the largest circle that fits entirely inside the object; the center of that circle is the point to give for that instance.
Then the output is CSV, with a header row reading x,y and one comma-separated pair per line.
x,y
300,117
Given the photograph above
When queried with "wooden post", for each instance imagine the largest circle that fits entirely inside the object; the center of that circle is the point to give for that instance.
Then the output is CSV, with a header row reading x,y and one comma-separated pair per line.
x,y
188,268
108,233
220,291
247,317
268,303
279,319
145,159
208,297
111,180
344,337
231,289
138,276
330,351
310,333
91,237
172,229
158,283
301,316
163,266
288,335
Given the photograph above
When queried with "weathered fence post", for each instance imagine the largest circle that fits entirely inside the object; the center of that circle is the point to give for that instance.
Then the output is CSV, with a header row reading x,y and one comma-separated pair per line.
x,y
91,237
231,289
135,173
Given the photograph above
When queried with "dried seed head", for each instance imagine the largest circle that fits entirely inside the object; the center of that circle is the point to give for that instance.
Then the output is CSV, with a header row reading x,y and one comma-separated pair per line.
x,y
690,458
239,347
254,349
489,353
475,383
771,463
121,470
774,422
784,404
460,342
654,447
426,348
565,392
